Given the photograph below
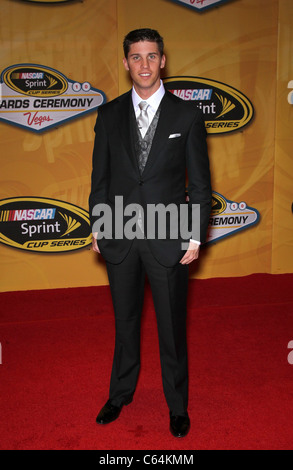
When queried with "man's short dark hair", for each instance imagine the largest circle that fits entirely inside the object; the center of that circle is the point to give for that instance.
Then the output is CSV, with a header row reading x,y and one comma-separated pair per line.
x,y
144,34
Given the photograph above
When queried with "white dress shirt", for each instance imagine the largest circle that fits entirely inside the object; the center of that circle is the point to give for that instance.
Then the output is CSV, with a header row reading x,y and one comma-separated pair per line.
x,y
153,102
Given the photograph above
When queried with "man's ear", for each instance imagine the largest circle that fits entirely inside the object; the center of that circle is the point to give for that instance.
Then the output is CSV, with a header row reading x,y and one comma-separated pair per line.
x,y
163,61
125,63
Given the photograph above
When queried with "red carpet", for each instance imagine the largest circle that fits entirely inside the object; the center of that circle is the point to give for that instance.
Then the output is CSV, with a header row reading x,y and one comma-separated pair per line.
x,y
56,357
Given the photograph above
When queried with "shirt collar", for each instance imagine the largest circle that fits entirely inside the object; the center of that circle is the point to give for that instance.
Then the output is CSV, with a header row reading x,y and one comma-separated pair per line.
x,y
153,100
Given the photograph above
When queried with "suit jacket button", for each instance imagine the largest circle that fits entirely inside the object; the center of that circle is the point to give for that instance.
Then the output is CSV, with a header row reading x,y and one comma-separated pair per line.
x,y
140,183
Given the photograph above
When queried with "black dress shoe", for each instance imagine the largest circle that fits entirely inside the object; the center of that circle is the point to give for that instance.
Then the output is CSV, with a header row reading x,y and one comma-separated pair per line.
x,y
110,412
179,425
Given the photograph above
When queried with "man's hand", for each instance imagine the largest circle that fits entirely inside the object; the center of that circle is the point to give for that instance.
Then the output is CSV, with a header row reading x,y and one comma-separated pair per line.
x,y
191,254
95,243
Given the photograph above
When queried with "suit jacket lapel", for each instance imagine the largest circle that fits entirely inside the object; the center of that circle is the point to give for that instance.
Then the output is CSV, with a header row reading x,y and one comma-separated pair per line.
x,y
125,124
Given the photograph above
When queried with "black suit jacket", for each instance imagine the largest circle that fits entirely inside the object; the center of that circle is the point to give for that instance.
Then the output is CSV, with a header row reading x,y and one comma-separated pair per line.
x,y
171,162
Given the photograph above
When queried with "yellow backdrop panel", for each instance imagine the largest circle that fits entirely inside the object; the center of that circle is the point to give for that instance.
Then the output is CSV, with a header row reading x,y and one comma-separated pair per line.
x,y
238,43
79,40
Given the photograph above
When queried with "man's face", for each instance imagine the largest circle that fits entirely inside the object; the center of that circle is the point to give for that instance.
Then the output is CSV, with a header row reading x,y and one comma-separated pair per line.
x,y
144,64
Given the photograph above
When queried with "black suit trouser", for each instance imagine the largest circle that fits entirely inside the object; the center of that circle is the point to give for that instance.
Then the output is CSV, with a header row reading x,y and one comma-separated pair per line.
x,y
169,291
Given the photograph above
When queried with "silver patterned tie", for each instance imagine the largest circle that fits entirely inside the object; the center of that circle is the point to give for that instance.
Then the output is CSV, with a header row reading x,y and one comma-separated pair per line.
x,y
143,119
143,124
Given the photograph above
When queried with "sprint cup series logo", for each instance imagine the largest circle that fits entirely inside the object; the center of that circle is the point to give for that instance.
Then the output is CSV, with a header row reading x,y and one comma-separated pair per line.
x,y
43,225
228,217
225,109
200,4
37,97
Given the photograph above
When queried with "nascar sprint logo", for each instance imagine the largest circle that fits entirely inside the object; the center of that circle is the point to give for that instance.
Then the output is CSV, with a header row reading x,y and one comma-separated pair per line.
x,y
34,81
228,217
200,4
37,97
225,109
43,225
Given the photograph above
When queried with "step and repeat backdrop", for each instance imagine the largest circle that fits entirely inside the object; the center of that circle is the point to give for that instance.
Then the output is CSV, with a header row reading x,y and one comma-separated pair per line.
x,y
60,60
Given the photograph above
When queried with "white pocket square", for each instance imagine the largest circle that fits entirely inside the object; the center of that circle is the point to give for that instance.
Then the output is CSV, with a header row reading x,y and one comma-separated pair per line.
x,y
173,136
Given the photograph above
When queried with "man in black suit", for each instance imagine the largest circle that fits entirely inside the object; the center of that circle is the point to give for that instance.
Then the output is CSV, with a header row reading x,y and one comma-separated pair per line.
x,y
141,155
